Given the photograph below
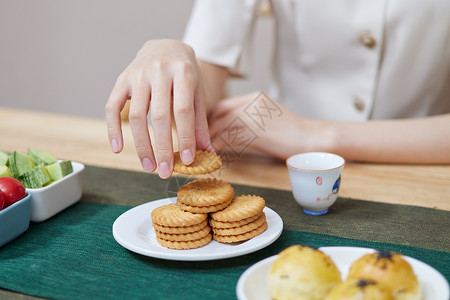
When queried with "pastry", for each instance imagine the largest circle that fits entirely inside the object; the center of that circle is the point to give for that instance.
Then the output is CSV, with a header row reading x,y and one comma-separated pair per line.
x,y
390,270
355,289
302,273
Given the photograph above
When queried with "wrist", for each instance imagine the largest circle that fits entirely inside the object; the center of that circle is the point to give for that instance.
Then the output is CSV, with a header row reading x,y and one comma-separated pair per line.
x,y
324,136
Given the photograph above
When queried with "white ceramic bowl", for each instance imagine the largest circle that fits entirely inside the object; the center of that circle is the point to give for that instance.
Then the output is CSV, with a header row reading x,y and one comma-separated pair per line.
x,y
50,200
14,220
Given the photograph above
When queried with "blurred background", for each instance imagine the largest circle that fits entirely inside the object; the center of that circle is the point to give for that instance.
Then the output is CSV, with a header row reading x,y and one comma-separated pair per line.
x,y
64,56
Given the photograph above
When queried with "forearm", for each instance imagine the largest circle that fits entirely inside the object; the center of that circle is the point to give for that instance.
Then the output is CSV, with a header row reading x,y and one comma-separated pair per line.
x,y
422,140
417,141
214,78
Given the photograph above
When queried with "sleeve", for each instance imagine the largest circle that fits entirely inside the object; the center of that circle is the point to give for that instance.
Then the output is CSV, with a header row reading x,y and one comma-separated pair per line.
x,y
220,32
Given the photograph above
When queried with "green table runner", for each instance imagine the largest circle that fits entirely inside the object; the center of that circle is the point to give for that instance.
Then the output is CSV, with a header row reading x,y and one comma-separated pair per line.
x,y
74,255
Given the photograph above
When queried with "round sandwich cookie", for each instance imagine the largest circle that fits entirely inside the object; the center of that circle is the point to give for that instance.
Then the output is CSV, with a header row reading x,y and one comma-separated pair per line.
x,y
242,228
173,216
185,245
184,237
234,238
180,229
204,163
224,225
241,207
205,195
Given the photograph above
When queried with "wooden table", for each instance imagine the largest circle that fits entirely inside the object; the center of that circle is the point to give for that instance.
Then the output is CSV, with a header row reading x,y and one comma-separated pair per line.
x,y
85,140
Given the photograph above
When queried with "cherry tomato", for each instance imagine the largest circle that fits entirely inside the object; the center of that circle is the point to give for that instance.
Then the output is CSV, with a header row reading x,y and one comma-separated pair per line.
x,y
2,201
12,190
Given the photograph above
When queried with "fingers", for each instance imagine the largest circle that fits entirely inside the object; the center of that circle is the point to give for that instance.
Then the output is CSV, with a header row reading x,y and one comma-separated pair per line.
x,y
160,111
218,143
184,114
138,122
202,135
161,69
113,107
225,114
225,132
227,105
222,117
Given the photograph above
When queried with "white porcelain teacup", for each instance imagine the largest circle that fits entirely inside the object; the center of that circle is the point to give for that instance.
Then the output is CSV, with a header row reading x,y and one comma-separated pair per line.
x,y
315,179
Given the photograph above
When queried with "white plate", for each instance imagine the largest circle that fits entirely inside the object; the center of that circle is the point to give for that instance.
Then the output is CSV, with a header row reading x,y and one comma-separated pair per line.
x,y
134,231
253,282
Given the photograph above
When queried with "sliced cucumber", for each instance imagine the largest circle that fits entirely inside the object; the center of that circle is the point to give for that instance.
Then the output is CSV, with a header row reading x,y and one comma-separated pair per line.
x,y
41,156
36,169
4,171
3,158
48,183
60,169
19,164
36,178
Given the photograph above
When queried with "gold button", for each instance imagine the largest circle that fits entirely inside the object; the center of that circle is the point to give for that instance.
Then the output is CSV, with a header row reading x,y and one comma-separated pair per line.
x,y
358,103
265,9
367,40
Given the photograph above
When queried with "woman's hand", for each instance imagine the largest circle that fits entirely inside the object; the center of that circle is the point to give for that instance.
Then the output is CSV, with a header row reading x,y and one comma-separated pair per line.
x,y
259,122
163,76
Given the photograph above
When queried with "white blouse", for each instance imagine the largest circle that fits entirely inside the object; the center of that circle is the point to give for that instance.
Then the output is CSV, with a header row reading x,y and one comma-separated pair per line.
x,y
339,59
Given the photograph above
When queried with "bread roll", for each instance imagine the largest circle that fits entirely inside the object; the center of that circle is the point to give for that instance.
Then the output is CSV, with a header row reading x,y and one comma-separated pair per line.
x,y
302,273
359,290
390,270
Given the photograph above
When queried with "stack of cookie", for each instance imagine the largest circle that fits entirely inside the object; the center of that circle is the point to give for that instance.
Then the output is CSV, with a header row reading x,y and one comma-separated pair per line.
x,y
232,219
178,229
243,219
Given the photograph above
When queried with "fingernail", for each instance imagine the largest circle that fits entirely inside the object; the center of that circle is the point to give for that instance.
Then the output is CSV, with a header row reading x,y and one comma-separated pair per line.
x,y
148,165
164,170
186,156
114,145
